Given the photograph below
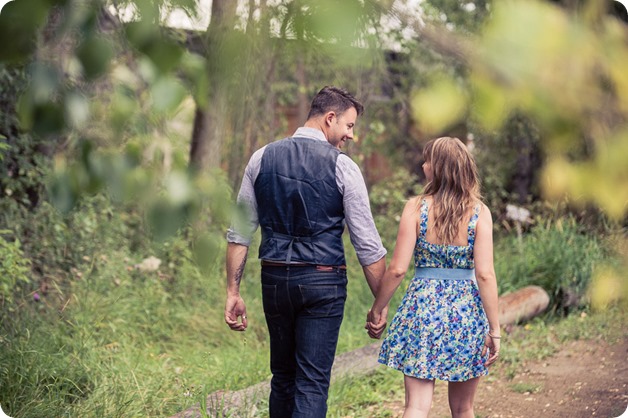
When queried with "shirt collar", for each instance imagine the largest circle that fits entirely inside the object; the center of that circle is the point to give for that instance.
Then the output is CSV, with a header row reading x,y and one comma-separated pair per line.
x,y
312,133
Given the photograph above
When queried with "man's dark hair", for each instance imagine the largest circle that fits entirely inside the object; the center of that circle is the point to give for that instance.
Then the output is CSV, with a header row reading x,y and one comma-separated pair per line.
x,y
333,99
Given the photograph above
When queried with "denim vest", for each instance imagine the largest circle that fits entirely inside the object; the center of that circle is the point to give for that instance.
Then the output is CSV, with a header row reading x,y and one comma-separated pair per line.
x,y
300,209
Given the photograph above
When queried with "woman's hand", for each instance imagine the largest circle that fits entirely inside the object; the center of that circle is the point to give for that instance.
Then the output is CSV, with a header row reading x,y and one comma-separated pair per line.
x,y
491,344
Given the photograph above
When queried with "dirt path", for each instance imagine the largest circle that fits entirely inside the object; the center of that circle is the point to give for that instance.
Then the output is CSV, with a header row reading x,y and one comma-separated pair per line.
x,y
583,379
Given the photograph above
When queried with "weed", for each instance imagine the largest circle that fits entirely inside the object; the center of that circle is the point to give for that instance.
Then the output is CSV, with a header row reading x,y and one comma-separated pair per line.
x,y
526,388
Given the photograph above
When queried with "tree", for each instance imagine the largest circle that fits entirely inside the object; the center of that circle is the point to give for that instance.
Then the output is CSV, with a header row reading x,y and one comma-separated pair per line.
x,y
211,114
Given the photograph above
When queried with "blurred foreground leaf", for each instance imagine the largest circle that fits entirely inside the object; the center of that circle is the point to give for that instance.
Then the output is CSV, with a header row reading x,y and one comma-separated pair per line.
x,y
206,249
20,21
95,53
439,106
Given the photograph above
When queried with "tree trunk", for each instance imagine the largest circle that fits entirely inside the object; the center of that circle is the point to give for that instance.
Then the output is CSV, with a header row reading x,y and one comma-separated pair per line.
x,y
210,119
253,115
207,135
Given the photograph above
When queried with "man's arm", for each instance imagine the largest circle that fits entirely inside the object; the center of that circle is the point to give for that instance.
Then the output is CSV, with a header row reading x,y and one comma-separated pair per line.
x,y
239,239
235,306
374,273
362,230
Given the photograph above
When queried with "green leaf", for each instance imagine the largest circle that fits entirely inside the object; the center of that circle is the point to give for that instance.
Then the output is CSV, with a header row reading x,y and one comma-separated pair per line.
x,y
45,82
48,118
206,249
195,70
19,22
62,194
439,106
123,107
490,105
162,51
76,109
165,218
94,53
167,93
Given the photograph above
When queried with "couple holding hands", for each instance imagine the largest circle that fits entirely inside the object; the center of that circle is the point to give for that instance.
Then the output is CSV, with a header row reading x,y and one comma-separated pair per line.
x,y
302,191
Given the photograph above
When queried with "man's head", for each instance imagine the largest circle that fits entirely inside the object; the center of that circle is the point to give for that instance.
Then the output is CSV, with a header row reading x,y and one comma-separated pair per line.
x,y
335,112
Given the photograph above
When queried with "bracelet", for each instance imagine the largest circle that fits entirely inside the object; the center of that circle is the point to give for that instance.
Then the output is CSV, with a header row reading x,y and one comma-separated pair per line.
x,y
492,336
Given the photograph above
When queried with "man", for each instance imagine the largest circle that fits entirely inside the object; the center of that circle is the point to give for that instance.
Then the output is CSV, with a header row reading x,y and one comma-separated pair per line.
x,y
300,191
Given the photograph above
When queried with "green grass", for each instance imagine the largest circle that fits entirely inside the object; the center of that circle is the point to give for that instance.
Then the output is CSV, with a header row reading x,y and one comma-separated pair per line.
x,y
110,341
525,387
555,254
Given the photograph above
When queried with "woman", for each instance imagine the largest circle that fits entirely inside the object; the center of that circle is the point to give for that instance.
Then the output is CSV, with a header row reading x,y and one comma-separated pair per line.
x,y
447,326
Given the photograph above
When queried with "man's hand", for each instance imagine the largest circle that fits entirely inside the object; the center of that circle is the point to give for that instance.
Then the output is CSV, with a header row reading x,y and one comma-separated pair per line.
x,y
234,308
376,323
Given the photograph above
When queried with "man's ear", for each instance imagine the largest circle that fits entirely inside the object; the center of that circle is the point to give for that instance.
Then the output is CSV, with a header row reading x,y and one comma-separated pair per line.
x,y
329,117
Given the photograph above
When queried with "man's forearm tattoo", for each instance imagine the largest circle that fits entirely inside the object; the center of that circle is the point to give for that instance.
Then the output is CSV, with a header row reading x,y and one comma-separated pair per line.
x,y
240,271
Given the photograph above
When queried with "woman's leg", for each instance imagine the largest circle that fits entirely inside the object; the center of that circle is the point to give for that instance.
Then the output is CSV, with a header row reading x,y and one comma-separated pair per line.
x,y
461,396
418,397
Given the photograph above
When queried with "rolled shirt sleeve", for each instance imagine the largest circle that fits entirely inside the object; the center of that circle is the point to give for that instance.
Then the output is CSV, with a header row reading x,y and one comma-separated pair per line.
x,y
246,223
362,230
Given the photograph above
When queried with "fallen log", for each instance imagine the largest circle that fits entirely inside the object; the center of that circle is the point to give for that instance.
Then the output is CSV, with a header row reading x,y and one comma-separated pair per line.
x,y
513,307
522,305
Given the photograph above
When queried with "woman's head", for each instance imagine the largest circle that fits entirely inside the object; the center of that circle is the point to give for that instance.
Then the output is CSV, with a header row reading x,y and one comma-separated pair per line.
x,y
449,166
452,181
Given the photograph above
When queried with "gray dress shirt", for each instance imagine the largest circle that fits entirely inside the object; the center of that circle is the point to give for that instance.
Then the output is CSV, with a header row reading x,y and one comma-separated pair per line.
x,y
362,230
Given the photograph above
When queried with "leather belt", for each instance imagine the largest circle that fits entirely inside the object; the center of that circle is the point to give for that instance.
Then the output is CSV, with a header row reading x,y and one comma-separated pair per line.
x,y
318,267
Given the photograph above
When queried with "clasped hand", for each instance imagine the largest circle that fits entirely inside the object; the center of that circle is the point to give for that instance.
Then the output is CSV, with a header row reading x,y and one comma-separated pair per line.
x,y
376,322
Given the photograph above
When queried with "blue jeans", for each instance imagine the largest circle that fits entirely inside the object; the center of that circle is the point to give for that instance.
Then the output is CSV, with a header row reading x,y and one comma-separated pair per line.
x,y
304,308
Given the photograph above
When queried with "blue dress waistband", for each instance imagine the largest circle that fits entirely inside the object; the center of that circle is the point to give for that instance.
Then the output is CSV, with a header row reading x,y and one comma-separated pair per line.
x,y
444,273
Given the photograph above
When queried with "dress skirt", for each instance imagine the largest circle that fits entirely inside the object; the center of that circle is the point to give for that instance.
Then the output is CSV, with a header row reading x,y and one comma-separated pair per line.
x,y
438,331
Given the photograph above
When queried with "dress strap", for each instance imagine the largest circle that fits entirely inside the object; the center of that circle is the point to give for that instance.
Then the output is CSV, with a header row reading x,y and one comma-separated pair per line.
x,y
473,223
423,214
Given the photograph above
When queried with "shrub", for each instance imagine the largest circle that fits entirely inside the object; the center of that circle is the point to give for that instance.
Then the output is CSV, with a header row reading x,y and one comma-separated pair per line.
x,y
388,199
555,254
14,268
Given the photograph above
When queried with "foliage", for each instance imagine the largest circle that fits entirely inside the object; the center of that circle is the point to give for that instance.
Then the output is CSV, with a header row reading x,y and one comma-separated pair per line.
x,y
14,269
389,198
514,71
464,17
509,162
39,371
556,254
131,337
24,157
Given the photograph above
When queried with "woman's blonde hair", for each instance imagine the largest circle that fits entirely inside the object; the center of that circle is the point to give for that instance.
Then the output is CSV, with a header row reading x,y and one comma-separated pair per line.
x,y
455,185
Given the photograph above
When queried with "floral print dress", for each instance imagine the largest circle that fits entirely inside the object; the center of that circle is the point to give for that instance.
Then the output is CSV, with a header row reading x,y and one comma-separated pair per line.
x,y
439,329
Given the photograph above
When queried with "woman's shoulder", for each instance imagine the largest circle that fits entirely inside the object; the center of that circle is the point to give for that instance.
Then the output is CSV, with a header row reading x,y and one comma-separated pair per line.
x,y
417,201
424,197
484,212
